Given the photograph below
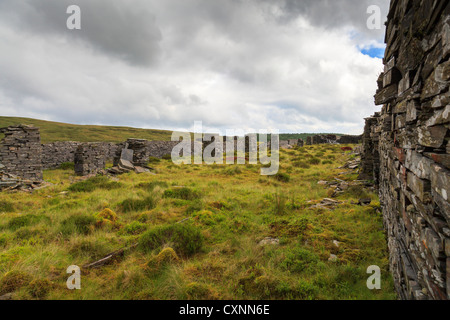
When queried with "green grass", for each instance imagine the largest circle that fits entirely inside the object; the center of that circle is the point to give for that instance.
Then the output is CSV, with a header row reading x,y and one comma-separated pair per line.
x,y
185,239
99,182
57,131
198,230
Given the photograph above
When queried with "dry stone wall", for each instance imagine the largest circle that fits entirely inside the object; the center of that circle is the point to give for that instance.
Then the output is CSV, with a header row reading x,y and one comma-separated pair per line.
x,y
144,149
406,147
56,153
89,158
349,139
333,139
20,152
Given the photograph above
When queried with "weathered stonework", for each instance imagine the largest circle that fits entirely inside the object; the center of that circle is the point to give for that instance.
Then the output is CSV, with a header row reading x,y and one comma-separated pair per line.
x,y
349,139
333,139
20,152
56,153
406,147
144,149
89,158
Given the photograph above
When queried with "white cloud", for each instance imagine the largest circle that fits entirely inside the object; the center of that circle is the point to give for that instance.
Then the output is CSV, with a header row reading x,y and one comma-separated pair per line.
x,y
230,64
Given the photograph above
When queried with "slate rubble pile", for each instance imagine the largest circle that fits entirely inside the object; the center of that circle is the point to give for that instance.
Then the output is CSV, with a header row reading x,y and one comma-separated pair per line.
x,y
125,163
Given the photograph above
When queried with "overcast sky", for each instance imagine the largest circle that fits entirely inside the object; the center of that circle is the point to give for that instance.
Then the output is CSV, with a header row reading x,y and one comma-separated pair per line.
x,y
291,65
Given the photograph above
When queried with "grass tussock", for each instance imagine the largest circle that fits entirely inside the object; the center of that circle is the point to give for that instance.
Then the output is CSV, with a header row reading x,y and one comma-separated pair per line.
x,y
92,184
183,193
129,205
186,240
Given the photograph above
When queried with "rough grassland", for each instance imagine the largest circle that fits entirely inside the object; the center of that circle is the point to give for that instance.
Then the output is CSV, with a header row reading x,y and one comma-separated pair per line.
x,y
213,253
56,131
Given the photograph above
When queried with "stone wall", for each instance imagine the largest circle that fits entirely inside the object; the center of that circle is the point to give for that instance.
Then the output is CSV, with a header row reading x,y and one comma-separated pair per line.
x,y
158,149
20,152
333,139
370,159
89,158
406,147
349,139
309,140
56,153
144,149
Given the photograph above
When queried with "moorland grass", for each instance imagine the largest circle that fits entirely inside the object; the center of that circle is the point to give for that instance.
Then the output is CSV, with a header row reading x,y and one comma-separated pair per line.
x,y
212,221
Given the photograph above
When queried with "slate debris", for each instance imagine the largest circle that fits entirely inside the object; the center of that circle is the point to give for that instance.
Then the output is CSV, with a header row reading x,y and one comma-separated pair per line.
x,y
125,164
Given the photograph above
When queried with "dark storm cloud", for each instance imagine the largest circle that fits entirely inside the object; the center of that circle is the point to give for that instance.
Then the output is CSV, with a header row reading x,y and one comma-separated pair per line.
x,y
123,29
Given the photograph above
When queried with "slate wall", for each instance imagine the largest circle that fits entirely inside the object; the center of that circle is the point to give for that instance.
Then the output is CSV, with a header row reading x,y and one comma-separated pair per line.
x,y
20,152
406,147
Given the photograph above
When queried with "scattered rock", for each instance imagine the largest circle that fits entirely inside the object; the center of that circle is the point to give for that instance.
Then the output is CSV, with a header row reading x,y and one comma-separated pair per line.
x,y
7,296
326,203
10,182
333,258
269,241
364,202
125,164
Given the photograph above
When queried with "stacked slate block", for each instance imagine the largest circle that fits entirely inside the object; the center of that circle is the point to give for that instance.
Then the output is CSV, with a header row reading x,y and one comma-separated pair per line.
x,y
333,139
319,139
411,137
349,139
56,153
20,152
89,159
370,159
144,149
159,149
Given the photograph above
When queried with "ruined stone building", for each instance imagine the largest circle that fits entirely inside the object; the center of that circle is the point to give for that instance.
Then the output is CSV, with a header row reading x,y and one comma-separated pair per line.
x,y
20,152
406,147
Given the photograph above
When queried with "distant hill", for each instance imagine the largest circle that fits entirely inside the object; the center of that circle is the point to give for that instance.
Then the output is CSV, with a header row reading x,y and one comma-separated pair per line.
x,y
287,136
57,131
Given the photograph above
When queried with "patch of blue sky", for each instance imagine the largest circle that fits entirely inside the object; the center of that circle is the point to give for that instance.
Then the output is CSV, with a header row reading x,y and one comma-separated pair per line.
x,y
373,52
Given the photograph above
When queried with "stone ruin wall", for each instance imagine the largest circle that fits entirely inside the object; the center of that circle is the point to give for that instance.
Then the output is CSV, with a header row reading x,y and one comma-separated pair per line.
x,y
89,158
144,149
406,147
20,152
332,139
56,153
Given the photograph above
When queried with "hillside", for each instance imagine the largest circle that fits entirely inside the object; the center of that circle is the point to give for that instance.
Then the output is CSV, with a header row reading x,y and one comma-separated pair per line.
x,y
57,131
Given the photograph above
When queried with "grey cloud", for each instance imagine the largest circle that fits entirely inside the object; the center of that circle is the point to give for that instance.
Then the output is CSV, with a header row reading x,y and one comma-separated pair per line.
x,y
335,13
126,31
229,63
